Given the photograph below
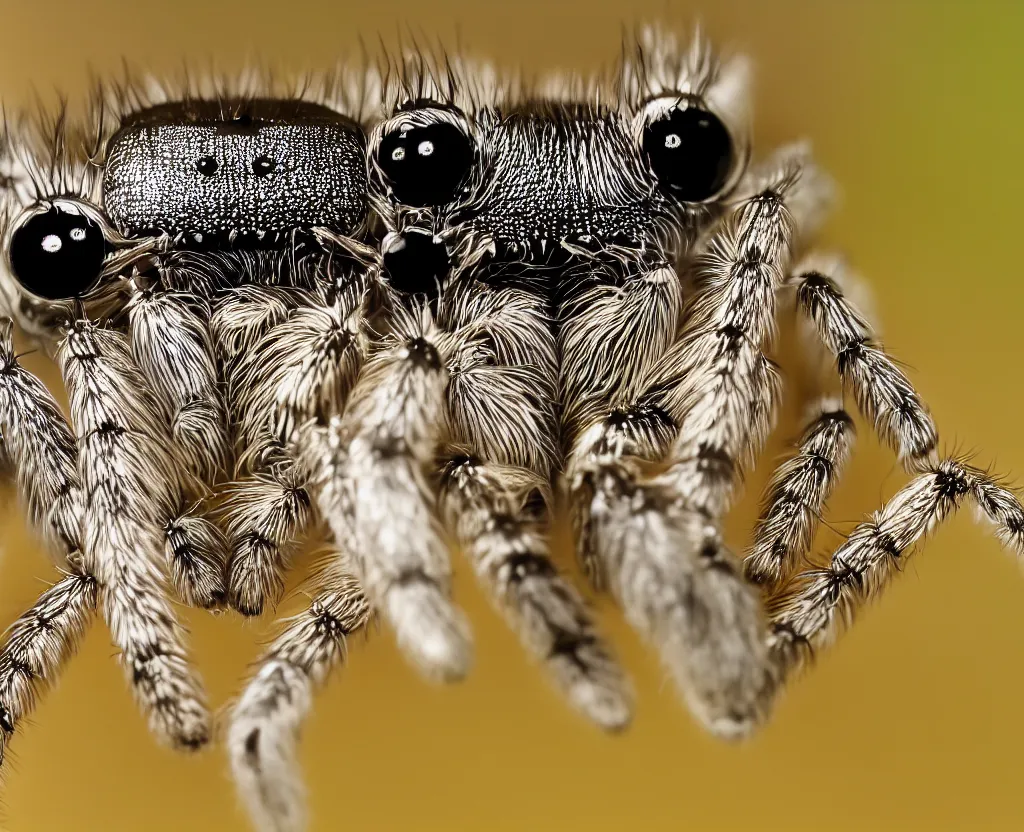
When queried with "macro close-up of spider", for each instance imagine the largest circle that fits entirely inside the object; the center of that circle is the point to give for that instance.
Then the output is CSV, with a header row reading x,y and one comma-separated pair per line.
x,y
323,336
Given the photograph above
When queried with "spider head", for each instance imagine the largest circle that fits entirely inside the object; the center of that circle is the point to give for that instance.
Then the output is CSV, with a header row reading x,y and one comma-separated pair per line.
x,y
546,180
550,177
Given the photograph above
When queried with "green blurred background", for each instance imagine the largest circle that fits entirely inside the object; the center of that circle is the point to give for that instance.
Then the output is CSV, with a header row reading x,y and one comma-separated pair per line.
x,y
914,721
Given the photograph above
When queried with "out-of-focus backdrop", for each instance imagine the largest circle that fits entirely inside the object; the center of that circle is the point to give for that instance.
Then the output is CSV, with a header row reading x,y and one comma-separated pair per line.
x,y
914,721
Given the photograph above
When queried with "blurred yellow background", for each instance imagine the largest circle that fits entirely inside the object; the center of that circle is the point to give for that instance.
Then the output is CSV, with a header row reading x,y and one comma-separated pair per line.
x,y
914,721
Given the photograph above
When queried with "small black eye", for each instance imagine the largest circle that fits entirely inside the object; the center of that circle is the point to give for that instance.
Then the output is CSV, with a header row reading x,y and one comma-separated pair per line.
x,y
263,166
416,263
57,254
690,152
426,165
207,166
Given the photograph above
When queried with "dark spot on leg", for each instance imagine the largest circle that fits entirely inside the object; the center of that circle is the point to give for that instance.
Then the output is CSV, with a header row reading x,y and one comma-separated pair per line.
x,y
412,576
951,482
528,565
851,353
568,645
423,354
715,464
193,743
252,748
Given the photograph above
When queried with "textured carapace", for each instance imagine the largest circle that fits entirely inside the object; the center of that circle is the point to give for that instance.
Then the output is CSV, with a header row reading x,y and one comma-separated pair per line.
x,y
215,174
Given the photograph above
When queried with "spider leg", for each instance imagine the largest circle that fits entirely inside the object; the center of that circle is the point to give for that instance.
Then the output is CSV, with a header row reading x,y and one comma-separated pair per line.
x,y
171,343
797,494
501,450
373,490
676,582
266,721
244,314
653,536
715,381
508,548
820,602
800,487
644,311
884,393
40,447
267,512
131,484
172,346
882,390
302,369
37,645
38,443
267,508
300,374
195,551
611,336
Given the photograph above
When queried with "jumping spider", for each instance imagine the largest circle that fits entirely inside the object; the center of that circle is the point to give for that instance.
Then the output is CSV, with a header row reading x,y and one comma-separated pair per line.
x,y
565,289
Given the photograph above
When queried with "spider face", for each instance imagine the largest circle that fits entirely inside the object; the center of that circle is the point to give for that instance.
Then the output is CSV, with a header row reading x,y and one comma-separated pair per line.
x,y
547,179
219,176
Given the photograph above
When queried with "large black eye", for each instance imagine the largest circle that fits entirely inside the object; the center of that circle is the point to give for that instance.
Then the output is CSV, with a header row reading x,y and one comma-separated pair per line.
x,y
426,165
58,254
416,263
691,153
